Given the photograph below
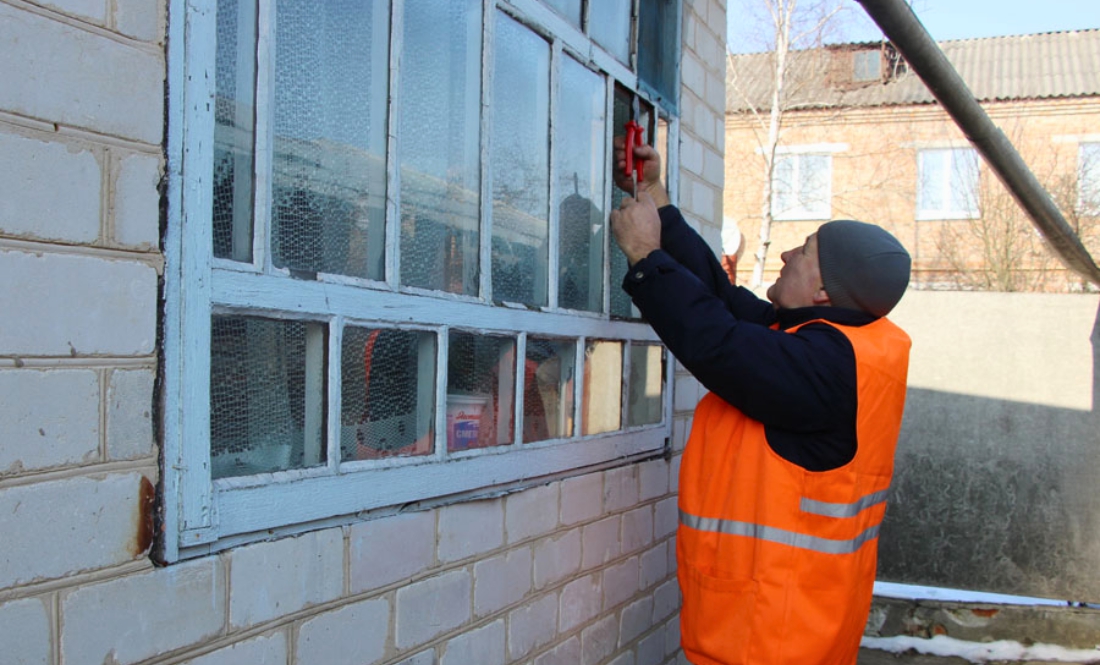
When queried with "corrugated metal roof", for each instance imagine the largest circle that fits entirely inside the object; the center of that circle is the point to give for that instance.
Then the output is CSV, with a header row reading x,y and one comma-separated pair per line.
x,y
1039,66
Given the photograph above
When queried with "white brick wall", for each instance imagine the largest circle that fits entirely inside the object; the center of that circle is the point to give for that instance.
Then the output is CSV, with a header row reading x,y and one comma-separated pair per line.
x,y
48,418
25,632
431,607
354,633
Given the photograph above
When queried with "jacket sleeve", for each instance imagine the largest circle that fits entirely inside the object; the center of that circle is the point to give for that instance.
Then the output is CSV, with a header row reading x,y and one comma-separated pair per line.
x,y
784,380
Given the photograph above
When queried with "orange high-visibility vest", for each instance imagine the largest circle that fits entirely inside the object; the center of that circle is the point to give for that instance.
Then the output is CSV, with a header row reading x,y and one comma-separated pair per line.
x,y
777,563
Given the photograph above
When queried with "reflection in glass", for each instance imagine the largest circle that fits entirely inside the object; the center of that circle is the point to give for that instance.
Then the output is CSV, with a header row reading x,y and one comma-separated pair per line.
x,y
570,9
329,170
440,133
267,395
387,393
645,404
609,24
581,154
603,386
234,111
548,393
481,390
520,156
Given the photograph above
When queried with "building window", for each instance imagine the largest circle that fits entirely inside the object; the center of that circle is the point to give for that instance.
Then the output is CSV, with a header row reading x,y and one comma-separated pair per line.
x,y
387,262
802,186
947,185
867,65
1088,179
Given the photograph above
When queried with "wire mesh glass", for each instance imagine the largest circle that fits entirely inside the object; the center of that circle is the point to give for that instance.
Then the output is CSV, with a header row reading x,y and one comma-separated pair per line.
x,y
481,390
609,24
520,155
234,113
329,170
603,387
582,168
267,395
621,306
645,394
440,150
387,393
548,389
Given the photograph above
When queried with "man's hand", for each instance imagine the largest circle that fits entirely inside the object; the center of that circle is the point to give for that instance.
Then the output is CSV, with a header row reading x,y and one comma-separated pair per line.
x,y
637,227
651,172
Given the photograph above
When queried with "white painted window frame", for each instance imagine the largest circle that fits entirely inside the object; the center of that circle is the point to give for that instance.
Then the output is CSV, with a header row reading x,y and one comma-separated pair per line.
x,y
947,183
201,515
797,153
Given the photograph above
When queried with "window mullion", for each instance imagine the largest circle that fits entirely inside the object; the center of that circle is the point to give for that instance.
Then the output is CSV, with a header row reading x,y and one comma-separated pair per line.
x,y
485,241
520,387
443,347
393,148
580,358
334,408
265,146
554,259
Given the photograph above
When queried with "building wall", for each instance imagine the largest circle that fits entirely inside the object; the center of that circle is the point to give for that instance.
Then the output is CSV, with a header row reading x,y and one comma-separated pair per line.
x,y
578,570
875,178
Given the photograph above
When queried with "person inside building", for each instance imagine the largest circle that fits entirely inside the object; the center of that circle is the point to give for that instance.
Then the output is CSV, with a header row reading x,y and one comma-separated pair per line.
x,y
784,477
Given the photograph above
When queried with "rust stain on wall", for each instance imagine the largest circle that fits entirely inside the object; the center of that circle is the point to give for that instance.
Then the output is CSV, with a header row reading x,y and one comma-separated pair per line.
x,y
143,538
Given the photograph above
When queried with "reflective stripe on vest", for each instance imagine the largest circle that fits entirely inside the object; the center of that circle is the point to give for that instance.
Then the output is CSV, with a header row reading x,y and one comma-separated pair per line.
x,y
777,535
844,509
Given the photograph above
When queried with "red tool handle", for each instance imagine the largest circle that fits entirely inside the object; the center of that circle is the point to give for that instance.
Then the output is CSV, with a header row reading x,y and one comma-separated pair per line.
x,y
634,133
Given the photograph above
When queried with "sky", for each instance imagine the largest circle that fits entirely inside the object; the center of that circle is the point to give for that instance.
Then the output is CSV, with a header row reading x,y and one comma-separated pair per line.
x,y
944,19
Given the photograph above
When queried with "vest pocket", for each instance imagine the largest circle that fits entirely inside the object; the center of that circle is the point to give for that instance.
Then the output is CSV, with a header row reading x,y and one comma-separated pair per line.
x,y
716,616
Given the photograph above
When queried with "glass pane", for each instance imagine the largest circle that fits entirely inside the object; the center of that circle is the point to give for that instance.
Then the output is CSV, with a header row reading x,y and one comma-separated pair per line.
x,y
582,170
387,393
570,9
609,24
814,183
329,179
783,198
548,393
481,390
440,133
603,387
645,405
521,164
930,194
1088,178
267,395
234,112
964,181
659,48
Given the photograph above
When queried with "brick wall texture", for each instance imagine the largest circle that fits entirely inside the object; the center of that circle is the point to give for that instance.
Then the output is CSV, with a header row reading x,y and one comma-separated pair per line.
x,y
579,570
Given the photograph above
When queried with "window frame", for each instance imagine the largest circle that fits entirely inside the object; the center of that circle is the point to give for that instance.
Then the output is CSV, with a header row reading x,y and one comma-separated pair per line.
x,y
947,185
203,515
797,154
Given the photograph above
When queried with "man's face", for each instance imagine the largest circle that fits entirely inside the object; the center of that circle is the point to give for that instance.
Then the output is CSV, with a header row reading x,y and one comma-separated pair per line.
x,y
799,282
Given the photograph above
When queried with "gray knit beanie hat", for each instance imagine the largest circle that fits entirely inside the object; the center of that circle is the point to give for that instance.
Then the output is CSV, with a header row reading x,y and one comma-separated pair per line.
x,y
862,266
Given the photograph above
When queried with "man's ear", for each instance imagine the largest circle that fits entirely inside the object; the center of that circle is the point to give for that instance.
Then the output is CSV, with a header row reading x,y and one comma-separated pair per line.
x,y
821,298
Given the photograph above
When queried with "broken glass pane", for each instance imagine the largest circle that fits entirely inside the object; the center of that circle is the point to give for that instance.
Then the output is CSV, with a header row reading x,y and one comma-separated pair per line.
x,y
645,405
481,390
329,166
267,395
621,306
440,133
603,386
521,164
234,112
583,174
548,393
387,393
609,24
659,49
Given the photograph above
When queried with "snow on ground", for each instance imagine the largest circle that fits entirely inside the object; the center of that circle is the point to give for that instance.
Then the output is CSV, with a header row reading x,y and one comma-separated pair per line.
x,y
981,652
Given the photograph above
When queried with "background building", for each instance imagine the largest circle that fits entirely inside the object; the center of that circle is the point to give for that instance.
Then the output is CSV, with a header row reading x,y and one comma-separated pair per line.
x,y
862,137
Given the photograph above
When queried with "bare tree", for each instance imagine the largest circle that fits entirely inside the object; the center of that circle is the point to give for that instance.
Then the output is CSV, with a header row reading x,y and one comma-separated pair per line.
x,y
792,31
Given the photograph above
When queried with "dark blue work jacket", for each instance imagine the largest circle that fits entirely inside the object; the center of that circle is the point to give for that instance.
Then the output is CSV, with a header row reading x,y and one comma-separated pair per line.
x,y
801,385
